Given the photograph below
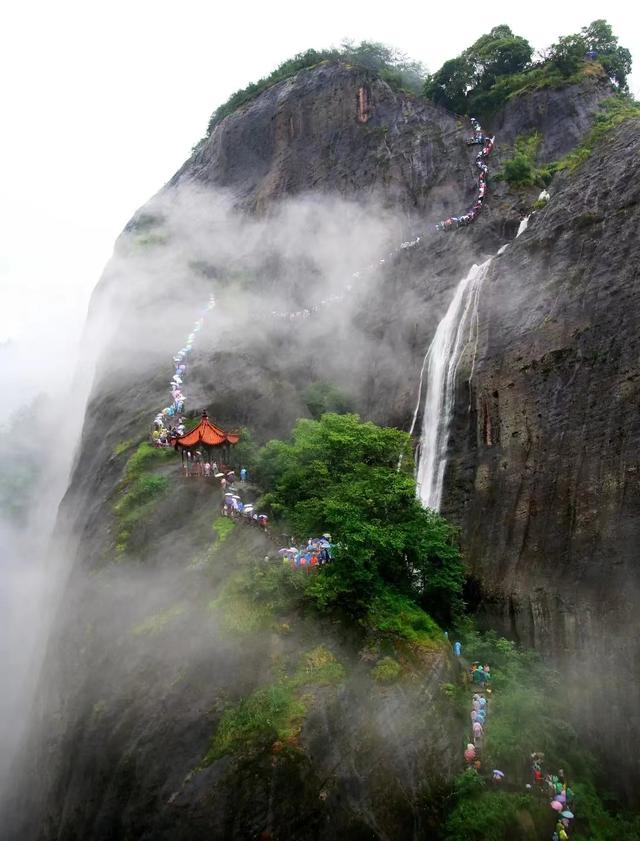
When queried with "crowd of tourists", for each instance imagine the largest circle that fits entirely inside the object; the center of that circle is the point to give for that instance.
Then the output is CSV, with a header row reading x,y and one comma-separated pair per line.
x,y
479,138
197,464
232,503
164,433
480,677
315,554
473,750
551,786
169,424
555,787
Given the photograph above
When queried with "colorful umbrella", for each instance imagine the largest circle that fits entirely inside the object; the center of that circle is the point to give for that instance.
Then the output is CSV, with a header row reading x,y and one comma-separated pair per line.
x,y
555,804
567,814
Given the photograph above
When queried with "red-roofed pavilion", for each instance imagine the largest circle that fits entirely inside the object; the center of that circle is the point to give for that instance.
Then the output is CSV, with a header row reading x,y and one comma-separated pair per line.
x,y
206,434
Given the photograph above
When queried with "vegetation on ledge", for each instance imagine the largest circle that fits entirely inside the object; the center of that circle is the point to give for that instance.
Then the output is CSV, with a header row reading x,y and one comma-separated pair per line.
x,y
140,490
613,112
499,66
391,65
522,170
274,713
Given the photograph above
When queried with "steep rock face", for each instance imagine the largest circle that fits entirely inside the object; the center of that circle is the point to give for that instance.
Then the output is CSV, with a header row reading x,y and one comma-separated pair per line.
x,y
129,715
561,116
544,473
333,128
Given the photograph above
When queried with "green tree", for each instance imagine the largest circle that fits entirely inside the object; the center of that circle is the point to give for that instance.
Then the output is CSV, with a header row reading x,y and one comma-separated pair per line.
x,y
597,41
498,53
599,38
567,54
340,475
449,85
490,817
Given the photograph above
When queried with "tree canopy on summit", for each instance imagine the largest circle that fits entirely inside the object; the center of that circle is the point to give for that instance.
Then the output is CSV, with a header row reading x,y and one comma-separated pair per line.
x,y
498,53
499,64
597,42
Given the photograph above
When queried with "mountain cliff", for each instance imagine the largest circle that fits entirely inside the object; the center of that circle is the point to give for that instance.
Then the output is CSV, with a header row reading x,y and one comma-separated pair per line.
x,y
157,636
543,473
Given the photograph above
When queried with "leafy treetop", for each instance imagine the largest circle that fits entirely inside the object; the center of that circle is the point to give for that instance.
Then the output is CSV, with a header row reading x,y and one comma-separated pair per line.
x,y
340,475
498,53
597,42
499,64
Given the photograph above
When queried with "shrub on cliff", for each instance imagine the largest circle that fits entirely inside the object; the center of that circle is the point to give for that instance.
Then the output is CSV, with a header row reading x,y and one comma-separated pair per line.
x,y
339,475
522,169
390,64
614,111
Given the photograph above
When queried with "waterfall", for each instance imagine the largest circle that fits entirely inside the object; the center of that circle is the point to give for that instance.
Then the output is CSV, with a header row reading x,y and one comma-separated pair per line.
x,y
458,327
522,227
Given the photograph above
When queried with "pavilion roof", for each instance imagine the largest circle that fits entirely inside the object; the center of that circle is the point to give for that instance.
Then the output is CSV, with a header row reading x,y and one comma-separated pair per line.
x,y
206,433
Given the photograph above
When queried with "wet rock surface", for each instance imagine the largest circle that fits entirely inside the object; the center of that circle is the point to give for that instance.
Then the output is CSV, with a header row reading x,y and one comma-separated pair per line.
x,y
544,472
561,116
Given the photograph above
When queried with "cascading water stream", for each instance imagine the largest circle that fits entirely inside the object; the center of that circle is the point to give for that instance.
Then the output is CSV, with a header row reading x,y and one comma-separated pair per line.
x,y
457,328
522,227
455,331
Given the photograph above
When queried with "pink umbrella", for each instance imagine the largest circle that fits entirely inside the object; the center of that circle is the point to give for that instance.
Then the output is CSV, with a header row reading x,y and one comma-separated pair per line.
x,y
555,804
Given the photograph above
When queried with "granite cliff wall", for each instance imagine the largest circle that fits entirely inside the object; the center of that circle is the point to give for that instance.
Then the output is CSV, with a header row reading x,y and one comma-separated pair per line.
x,y
544,473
